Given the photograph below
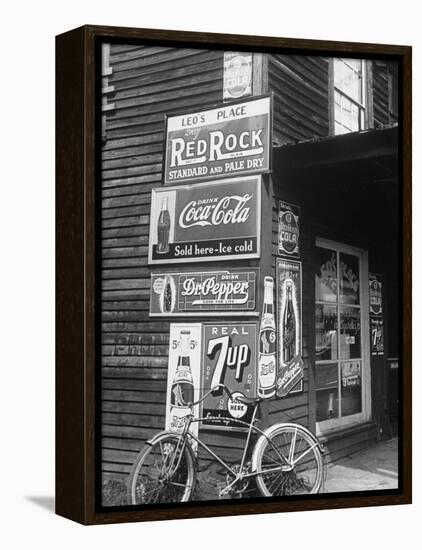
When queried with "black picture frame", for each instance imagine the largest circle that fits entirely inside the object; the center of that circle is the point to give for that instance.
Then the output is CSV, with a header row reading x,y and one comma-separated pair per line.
x,y
78,226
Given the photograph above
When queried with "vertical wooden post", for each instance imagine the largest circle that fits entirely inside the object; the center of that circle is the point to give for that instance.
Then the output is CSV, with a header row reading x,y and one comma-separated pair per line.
x,y
259,73
259,87
331,128
369,91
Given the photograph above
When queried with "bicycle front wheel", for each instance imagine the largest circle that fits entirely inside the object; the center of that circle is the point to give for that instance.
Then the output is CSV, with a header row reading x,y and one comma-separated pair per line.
x,y
288,461
163,472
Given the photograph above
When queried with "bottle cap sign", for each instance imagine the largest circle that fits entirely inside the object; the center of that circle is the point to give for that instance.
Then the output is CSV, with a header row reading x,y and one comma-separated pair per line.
x,y
158,285
236,408
237,75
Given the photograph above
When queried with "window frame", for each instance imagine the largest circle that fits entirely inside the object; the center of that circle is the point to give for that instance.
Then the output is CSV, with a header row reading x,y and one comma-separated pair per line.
x,y
364,107
333,424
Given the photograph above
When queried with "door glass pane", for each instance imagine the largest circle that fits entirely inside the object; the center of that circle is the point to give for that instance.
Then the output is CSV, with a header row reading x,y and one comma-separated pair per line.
x,y
351,388
350,332
326,275
326,332
327,404
326,376
349,279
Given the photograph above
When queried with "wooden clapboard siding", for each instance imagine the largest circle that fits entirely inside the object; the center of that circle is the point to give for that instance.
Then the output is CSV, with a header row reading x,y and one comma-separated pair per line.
x,y
148,83
300,87
384,79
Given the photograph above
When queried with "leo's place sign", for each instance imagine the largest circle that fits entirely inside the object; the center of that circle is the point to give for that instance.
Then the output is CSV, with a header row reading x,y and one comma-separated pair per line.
x,y
212,143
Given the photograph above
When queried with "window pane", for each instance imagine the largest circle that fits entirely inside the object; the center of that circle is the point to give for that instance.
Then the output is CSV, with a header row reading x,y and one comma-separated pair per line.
x,y
326,376
348,76
338,73
348,82
326,332
350,333
327,404
326,275
349,279
351,388
355,122
346,113
339,129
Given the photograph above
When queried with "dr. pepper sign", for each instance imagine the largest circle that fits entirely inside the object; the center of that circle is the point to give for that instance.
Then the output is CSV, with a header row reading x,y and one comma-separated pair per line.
x,y
205,221
233,139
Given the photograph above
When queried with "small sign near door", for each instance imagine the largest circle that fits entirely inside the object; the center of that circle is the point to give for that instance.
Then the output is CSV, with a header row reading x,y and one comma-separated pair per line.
x,y
289,305
237,75
288,229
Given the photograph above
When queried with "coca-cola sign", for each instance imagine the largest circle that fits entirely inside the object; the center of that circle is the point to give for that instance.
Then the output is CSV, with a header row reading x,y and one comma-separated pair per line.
x,y
288,229
289,304
206,221
232,139
229,292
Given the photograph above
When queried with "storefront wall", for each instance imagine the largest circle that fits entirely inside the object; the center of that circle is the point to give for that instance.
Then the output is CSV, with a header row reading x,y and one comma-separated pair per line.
x,y
340,212
143,85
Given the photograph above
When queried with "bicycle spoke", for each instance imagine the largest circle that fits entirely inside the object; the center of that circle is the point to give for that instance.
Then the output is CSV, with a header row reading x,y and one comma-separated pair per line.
x,y
289,463
305,453
292,447
164,474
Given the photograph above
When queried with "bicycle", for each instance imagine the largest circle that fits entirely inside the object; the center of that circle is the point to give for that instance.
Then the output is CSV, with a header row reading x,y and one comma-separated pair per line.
x,y
286,460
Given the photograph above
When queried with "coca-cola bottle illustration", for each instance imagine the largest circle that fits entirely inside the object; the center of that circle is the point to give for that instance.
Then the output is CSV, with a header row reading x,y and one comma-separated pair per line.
x,y
267,343
163,227
182,390
289,326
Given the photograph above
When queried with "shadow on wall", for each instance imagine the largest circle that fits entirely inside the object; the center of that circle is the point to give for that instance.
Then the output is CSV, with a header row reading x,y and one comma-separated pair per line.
x,y
46,502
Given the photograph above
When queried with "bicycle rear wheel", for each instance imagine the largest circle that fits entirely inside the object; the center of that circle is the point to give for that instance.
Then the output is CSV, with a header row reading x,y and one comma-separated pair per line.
x,y
289,461
163,472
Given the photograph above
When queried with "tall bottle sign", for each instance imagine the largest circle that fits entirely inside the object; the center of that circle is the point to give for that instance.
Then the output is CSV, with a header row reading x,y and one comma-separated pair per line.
x,y
289,326
289,302
163,227
182,391
183,378
267,344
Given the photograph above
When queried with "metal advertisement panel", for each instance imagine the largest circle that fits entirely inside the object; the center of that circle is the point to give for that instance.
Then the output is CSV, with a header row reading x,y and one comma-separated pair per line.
x,y
237,75
230,140
377,335
288,229
228,357
375,294
207,221
210,293
289,301
376,320
184,374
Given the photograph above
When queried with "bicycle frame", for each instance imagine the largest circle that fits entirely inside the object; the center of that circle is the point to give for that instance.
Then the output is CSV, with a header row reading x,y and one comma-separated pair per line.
x,y
240,475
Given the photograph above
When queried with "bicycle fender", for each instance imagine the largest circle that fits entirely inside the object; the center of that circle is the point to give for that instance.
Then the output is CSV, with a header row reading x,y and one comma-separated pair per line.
x,y
268,432
160,434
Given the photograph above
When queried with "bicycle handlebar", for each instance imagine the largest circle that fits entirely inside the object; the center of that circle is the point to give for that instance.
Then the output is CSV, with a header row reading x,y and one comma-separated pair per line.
x,y
242,399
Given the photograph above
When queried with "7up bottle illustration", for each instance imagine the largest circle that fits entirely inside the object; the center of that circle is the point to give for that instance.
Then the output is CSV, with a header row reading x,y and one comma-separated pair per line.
x,y
267,343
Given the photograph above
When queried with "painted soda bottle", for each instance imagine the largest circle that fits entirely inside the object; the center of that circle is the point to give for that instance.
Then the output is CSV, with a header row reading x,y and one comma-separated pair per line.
x,y
289,327
163,228
167,297
267,343
182,390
